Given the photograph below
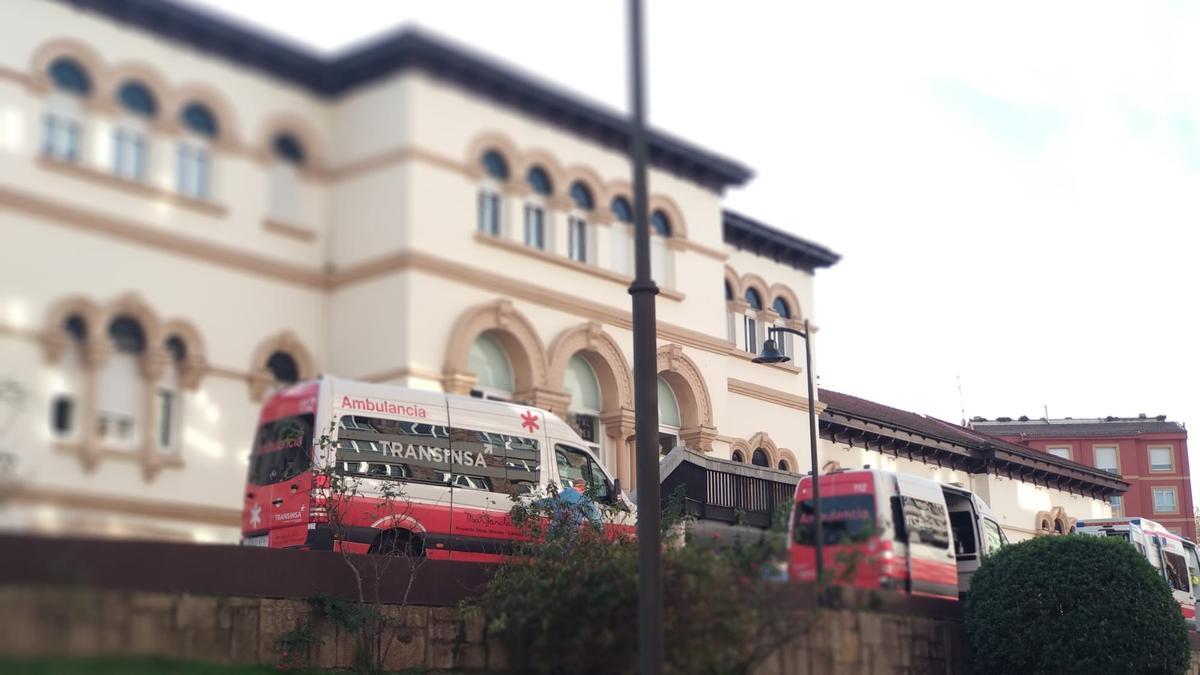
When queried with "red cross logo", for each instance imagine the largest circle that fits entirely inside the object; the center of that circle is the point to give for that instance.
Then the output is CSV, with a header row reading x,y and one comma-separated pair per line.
x,y
529,421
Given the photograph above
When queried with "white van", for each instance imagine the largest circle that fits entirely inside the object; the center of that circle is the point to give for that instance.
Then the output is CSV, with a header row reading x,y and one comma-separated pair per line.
x,y
1168,553
900,532
457,461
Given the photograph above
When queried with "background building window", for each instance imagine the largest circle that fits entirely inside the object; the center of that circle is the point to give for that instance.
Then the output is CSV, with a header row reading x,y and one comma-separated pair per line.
x,y
535,209
784,344
1062,451
668,417
1117,502
285,178
622,236
170,400
131,148
583,412
577,226
760,458
730,314
1162,459
121,387
738,457
62,122
495,171
1106,459
193,163
64,403
492,368
283,368
784,466
1165,500
750,320
660,260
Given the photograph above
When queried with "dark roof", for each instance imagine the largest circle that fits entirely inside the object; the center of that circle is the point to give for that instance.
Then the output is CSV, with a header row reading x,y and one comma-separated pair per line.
x,y
409,48
762,239
1091,428
911,434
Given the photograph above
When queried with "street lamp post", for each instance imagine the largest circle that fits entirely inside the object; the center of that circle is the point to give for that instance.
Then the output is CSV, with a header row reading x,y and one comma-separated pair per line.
x,y
645,378
771,354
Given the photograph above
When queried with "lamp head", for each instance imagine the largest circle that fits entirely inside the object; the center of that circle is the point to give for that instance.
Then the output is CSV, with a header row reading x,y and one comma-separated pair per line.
x,y
770,354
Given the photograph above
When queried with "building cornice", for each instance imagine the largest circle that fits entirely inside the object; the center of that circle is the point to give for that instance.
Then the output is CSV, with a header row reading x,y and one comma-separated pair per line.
x,y
409,49
745,233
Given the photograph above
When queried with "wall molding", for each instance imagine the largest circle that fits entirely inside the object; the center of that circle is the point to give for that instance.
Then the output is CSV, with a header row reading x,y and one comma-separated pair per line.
x,y
58,214
288,230
147,190
770,395
169,510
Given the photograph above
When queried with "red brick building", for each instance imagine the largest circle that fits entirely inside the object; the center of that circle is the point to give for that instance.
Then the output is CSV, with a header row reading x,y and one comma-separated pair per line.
x,y
1148,452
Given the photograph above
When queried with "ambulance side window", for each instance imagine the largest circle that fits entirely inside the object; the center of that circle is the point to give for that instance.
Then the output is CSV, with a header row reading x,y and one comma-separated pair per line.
x,y
493,462
993,536
898,520
574,463
925,522
371,447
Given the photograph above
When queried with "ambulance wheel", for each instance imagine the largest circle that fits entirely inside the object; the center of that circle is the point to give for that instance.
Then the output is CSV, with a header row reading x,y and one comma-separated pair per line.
x,y
397,542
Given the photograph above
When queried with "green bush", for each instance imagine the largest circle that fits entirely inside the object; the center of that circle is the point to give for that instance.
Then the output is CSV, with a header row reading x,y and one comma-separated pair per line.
x,y
568,603
1073,604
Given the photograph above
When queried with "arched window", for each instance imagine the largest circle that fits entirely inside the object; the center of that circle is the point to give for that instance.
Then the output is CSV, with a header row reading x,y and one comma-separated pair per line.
x,y
493,371
660,259
738,457
68,389
285,178
660,224
535,208
577,226
669,420
170,397
62,123
750,321
288,149
583,412
494,166
622,236
784,340
193,163
69,77
283,368
121,386
539,180
495,172
784,466
622,210
760,458
728,291
131,146
136,98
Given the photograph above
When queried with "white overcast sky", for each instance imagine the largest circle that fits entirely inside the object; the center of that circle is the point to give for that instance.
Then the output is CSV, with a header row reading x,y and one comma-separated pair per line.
x,y
1013,186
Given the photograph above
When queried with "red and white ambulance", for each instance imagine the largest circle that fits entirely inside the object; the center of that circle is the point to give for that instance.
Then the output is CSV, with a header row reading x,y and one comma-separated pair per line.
x,y
894,531
455,461
1168,553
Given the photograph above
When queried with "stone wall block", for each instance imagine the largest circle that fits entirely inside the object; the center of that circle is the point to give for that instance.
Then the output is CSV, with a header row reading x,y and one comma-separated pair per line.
x,y
323,653
277,617
243,632
405,647
440,655
151,633
196,611
497,655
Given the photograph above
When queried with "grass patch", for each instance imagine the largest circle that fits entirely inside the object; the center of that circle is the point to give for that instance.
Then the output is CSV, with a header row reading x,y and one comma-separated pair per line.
x,y
130,666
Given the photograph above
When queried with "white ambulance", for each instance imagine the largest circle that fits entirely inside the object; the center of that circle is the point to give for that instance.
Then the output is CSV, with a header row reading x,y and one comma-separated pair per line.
x,y
1169,554
457,461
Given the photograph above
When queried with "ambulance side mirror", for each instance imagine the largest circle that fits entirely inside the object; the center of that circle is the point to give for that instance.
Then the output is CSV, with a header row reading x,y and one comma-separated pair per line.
x,y
616,489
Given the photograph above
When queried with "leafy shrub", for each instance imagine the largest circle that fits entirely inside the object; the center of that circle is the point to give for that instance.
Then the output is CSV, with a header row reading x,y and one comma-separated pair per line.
x,y
568,602
1073,604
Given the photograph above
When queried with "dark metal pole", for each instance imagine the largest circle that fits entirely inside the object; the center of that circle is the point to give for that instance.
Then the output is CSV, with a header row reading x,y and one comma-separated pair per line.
x,y
816,469
645,379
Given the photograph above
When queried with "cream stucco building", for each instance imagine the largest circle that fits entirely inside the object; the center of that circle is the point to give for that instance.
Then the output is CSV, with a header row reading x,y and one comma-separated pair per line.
x,y
192,213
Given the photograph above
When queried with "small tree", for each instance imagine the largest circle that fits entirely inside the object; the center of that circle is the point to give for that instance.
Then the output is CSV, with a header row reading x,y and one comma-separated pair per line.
x,y
1073,604
337,496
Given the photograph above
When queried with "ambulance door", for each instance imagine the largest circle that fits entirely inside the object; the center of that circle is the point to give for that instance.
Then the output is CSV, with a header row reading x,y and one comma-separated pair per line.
x,y
492,446
930,547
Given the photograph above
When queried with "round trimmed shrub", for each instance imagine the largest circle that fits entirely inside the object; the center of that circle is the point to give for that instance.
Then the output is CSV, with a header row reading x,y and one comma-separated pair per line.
x,y
1073,604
